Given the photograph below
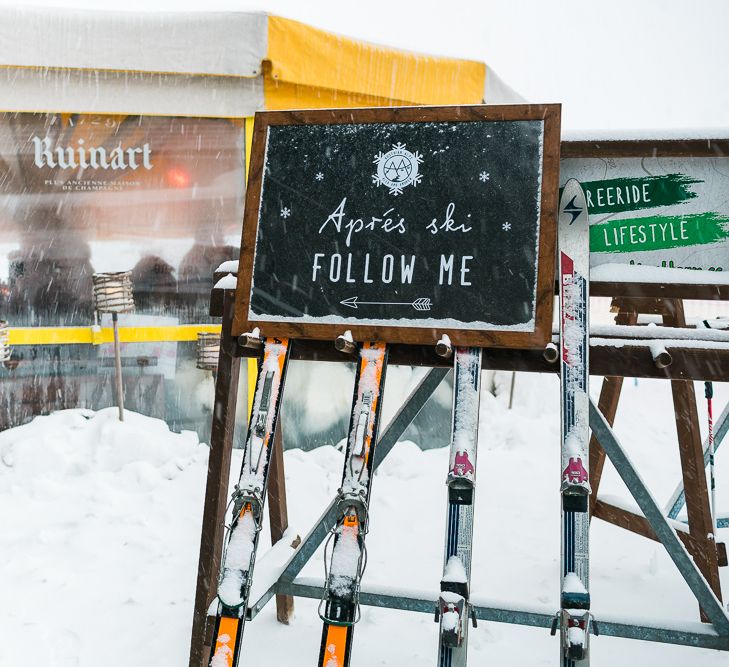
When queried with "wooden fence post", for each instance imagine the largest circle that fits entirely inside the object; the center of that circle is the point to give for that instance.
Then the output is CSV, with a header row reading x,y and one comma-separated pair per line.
x,y
216,489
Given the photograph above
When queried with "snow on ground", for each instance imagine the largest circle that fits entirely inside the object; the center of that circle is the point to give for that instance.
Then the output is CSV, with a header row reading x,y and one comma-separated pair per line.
x,y
101,521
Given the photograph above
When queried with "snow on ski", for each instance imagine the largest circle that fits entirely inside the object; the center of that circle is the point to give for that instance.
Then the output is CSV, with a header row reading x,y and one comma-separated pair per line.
x,y
574,618
339,608
248,500
453,603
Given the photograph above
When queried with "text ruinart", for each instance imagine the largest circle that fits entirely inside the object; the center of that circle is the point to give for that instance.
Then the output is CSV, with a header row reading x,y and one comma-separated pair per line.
x,y
90,157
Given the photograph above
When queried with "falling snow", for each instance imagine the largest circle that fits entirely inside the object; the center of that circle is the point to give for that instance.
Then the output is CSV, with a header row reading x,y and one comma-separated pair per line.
x,y
506,226
484,176
285,212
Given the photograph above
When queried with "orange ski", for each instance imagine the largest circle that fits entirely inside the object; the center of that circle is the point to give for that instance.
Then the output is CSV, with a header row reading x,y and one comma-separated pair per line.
x,y
339,608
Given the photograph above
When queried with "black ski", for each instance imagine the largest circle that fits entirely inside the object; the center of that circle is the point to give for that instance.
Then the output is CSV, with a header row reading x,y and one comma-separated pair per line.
x,y
453,604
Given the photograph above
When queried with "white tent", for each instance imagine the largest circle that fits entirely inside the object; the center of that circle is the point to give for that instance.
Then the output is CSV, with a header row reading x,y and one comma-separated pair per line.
x,y
214,64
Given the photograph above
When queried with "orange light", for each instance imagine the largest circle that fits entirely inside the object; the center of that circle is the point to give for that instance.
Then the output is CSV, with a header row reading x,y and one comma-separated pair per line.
x,y
178,177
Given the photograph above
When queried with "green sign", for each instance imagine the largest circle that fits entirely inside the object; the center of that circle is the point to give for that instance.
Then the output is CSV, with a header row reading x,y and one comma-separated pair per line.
x,y
635,194
659,232
671,212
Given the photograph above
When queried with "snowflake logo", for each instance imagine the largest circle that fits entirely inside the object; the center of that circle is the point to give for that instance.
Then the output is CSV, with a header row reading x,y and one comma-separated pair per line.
x,y
319,176
285,212
483,177
397,168
506,226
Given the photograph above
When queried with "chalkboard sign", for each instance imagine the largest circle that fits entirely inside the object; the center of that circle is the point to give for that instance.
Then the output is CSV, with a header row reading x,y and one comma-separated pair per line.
x,y
402,225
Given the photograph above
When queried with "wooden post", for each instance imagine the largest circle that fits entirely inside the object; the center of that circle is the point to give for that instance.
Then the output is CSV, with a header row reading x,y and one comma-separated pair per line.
x,y
608,405
511,389
278,511
118,367
216,490
692,464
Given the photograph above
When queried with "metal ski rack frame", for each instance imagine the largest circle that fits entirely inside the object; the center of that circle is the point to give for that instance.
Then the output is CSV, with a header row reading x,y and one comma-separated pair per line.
x,y
631,358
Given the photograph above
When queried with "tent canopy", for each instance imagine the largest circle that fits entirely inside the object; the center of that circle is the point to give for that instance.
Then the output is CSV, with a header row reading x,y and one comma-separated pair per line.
x,y
215,64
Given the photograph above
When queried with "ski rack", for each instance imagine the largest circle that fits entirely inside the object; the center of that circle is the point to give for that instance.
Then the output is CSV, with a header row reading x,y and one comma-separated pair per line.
x,y
698,539
612,357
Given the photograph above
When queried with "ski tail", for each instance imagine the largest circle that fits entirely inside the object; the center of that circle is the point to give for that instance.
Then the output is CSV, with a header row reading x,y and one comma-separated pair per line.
x,y
454,607
236,569
336,645
228,633
345,562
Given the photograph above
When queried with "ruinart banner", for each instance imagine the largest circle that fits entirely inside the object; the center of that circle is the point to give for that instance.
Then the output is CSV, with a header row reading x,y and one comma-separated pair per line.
x,y
665,212
161,196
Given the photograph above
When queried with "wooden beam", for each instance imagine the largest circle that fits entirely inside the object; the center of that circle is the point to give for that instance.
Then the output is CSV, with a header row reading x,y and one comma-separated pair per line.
x,y
608,405
633,360
216,489
708,291
617,148
278,511
635,523
692,466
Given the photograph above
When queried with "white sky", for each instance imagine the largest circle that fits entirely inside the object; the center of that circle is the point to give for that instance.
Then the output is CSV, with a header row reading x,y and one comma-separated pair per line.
x,y
622,64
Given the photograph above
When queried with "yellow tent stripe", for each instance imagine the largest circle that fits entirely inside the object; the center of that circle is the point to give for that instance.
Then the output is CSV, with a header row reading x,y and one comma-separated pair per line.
x,y
249,142
98,335
280,95
306,56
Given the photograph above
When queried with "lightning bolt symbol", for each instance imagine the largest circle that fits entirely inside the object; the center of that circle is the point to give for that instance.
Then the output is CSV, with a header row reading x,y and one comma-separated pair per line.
x,y
573,209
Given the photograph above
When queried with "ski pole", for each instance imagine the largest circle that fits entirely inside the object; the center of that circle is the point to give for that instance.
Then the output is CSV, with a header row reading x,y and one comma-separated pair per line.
x,y
709,394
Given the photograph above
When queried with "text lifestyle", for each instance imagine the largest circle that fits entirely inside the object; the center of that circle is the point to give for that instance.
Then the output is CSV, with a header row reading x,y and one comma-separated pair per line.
x,y
94,157
386,223
349,269
639,233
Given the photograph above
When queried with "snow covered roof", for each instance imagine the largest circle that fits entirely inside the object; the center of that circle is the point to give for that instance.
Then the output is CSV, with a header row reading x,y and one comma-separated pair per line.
x,y
216,63
218,43
647,134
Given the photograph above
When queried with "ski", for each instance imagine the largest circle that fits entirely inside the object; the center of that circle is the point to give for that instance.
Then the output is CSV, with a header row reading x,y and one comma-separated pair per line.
x,y
248,500
339,607
574,619
454,608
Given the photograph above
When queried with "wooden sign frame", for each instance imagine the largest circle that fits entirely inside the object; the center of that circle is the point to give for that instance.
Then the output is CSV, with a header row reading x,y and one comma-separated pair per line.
x,y
549,114
651,148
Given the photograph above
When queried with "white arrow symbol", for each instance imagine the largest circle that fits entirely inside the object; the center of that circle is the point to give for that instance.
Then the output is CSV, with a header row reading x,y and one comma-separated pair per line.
x,y
418,304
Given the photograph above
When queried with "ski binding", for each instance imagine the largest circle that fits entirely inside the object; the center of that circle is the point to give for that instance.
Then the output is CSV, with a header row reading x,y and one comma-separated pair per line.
x,y
451,608
575,626
342,588
460,479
